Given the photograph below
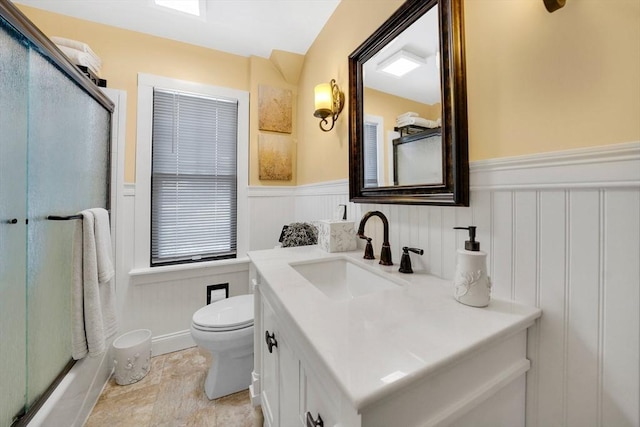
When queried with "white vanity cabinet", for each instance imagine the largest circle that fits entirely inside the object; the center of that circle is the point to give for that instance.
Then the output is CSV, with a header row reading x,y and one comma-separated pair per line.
x,y
405,357
290,392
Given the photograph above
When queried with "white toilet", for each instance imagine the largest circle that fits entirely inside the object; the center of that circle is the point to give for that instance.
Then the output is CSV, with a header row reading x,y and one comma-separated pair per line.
x,y
225,328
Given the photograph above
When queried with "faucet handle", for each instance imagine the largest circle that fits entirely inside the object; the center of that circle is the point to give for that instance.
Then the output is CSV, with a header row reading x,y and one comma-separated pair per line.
x,y
414,250
368,250
405,261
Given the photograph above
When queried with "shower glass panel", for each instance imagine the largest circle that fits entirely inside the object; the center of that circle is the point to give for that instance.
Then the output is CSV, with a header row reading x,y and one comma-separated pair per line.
x,y
13,150
54,160
68,171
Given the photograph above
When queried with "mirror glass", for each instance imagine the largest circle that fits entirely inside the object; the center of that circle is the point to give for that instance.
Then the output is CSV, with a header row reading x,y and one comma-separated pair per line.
x,y
408,109
401,94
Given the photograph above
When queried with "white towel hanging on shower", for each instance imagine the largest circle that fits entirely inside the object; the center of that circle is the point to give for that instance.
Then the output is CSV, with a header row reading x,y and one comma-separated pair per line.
x,y
93,296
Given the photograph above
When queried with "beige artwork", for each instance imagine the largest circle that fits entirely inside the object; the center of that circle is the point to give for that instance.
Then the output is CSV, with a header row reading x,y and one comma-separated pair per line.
x,y
274,109
275,153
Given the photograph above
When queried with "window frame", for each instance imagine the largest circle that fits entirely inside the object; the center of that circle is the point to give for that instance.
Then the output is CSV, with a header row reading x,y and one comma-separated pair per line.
x,y
142,221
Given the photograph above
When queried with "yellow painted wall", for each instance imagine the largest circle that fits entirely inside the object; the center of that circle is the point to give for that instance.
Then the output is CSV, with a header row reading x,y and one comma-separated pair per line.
x,y
324,156
266,72
540,82
125,53
537,82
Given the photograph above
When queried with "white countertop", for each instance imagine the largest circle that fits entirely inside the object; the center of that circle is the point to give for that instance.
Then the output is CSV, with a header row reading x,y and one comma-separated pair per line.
x,y
376,344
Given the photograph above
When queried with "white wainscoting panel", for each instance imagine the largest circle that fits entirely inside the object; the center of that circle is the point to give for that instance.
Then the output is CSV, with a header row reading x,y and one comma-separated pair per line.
x,y
269,209
318,201
619,311
562,232
162,299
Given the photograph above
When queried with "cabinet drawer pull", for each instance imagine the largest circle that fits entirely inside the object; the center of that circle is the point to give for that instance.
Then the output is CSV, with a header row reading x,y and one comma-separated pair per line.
x,y
270,340
314,423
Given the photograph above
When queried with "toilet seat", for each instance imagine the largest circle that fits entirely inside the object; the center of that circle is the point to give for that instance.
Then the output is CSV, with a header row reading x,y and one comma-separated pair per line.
x,y
229,314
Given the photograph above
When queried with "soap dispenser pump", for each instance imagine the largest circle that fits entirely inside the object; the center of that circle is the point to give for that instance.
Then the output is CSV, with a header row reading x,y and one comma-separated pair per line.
x,y
472,285
471,244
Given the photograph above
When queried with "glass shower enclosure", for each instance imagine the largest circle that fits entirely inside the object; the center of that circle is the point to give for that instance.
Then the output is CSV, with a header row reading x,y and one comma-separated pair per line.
x,y
54,160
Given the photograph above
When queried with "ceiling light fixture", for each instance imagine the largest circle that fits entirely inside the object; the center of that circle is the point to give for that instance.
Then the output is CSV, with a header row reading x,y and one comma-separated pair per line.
x,y
192,7
400,63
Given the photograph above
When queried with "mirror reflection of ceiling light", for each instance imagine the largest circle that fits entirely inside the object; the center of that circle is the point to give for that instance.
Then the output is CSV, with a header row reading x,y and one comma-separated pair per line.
x,y
400,63
192,7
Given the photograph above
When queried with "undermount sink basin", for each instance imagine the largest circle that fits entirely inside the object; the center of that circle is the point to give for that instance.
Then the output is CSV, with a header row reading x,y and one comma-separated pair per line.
x,y
341,279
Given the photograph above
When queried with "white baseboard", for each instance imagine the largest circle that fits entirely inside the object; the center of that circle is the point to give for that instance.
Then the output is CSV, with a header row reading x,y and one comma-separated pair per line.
x,y
254,389
168,343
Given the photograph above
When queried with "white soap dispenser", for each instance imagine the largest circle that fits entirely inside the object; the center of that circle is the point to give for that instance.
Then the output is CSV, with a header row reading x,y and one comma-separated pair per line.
x,y
472,285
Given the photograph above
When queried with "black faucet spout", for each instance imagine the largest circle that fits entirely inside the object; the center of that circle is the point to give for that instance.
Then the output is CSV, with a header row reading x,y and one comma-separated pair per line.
x,y
385,252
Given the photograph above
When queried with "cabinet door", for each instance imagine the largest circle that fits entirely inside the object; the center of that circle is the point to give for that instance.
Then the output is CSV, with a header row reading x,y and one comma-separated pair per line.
x,y
289,380
280,376
318,408
269,374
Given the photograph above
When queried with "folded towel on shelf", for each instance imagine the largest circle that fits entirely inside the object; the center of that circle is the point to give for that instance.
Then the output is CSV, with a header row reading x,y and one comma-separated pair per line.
x,y
80,47
77,45
419,121
406,115
81,58
93,296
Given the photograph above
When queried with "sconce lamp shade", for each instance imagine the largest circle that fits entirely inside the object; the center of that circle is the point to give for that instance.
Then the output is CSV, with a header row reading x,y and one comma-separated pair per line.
x,y
328,100
323,100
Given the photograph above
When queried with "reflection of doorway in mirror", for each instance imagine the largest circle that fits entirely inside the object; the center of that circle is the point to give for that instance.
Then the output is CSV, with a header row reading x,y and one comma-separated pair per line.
x,y
373,151
391,135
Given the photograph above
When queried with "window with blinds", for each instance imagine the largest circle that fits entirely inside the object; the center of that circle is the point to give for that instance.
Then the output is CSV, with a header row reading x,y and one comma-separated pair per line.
x,y
193,182
370,154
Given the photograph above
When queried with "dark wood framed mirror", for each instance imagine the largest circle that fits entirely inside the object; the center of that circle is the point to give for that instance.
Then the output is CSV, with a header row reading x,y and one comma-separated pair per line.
x,y
424,111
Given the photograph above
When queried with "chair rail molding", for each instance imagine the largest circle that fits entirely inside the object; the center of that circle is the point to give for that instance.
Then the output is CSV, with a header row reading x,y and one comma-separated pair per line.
x,y
616,165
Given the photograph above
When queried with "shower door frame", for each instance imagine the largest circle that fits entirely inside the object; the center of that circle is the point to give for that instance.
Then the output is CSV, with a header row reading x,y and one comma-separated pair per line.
x,y
45,47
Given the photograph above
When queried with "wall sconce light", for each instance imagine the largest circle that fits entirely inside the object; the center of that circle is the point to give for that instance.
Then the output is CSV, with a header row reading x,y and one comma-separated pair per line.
x,y
553,5
329,101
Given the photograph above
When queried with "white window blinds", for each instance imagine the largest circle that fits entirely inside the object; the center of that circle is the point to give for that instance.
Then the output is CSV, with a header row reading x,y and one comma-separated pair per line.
x,y
193,189
370,154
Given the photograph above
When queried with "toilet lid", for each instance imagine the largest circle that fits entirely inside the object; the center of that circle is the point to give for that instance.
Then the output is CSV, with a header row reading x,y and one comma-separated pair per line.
x,y
227,314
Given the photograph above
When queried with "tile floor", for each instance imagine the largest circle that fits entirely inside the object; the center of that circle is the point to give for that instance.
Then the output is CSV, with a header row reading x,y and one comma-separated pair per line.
x,y
172,395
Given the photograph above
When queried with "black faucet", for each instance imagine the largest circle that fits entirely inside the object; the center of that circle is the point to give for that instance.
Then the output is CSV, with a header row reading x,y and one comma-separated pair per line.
x,y
405,261
385,252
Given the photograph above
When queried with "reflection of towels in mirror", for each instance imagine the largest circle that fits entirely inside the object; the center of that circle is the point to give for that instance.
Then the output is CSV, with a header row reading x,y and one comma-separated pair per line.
x,y
418,121
406,115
